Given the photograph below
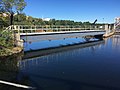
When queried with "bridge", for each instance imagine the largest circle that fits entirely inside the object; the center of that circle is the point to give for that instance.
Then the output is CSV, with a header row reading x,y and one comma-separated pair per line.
x,y
54,32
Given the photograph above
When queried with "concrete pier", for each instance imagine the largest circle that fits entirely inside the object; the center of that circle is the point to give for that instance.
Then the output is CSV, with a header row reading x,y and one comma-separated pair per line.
x,y
109,30
108,34
17,41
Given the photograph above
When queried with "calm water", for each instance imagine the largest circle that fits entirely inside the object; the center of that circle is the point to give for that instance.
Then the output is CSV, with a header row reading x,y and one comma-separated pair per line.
x,y
49,41
96,67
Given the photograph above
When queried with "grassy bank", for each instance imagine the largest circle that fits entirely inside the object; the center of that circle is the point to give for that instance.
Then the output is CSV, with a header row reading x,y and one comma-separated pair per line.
x,y
6,43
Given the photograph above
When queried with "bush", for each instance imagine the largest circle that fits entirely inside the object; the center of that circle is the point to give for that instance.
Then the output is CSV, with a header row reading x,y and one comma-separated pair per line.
x,y
6,39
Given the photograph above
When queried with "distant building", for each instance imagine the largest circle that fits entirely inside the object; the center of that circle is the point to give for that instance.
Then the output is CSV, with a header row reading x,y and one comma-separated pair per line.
x,y
46,19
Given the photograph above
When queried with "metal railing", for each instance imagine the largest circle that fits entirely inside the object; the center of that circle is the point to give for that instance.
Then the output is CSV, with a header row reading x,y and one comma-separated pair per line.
x,y
48,28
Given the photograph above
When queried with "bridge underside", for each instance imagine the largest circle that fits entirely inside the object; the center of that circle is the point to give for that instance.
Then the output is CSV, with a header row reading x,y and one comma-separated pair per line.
x,y
34,37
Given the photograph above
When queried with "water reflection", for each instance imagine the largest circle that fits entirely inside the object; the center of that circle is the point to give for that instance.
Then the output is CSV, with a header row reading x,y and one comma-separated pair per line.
x,y
9,64
54,58
95,67
81,68
9,70
116,42
49,41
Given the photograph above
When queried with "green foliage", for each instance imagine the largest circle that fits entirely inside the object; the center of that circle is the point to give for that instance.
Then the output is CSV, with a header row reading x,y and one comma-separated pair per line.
x,y
12,5
6,39
22,19
4,22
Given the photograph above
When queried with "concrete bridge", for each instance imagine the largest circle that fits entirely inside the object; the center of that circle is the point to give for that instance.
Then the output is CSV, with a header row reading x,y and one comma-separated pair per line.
x,y
55,32
86,34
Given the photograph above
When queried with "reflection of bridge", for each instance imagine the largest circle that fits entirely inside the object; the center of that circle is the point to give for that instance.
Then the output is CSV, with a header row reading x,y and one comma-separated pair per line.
x,y
42,52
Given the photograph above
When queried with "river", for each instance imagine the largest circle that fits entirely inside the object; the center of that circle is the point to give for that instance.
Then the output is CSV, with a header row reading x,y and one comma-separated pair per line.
x,y
94,67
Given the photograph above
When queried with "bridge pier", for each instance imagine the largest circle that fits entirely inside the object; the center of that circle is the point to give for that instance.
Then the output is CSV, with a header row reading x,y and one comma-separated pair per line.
x,y
16,35
17,41
109,30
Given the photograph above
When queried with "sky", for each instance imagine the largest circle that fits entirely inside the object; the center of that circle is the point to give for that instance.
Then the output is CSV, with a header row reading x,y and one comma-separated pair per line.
x,y
104,11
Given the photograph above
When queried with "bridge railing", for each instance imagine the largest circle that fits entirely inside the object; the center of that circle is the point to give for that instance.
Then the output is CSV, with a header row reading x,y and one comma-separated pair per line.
x,y
47,28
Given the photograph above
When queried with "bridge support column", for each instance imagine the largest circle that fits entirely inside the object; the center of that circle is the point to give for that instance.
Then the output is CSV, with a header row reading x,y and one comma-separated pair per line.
x,y
109,30
17,41
106,27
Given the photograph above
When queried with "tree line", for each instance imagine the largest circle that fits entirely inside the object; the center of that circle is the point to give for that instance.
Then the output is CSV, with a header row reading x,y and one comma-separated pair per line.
x,y
22,19
14,8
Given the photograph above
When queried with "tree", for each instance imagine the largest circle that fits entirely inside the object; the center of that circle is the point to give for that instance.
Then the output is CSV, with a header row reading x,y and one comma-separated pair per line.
x,y
20,19
12,6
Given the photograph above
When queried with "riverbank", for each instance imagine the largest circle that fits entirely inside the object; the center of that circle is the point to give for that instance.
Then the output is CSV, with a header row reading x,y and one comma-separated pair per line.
x,y
7,44
10,51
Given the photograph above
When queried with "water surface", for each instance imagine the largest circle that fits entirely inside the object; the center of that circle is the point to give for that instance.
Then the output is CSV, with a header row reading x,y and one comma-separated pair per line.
x,y
96,67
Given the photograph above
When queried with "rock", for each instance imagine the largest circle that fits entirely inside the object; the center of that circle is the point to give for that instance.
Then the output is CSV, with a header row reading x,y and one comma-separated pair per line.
x,y
16,50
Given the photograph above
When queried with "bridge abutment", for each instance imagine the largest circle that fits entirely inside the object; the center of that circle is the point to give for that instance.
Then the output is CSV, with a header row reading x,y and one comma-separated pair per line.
x,y
109,30
17,41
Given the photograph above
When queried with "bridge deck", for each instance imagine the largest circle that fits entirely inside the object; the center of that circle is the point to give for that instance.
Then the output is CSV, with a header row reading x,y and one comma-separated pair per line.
x,y
64,32
35,37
